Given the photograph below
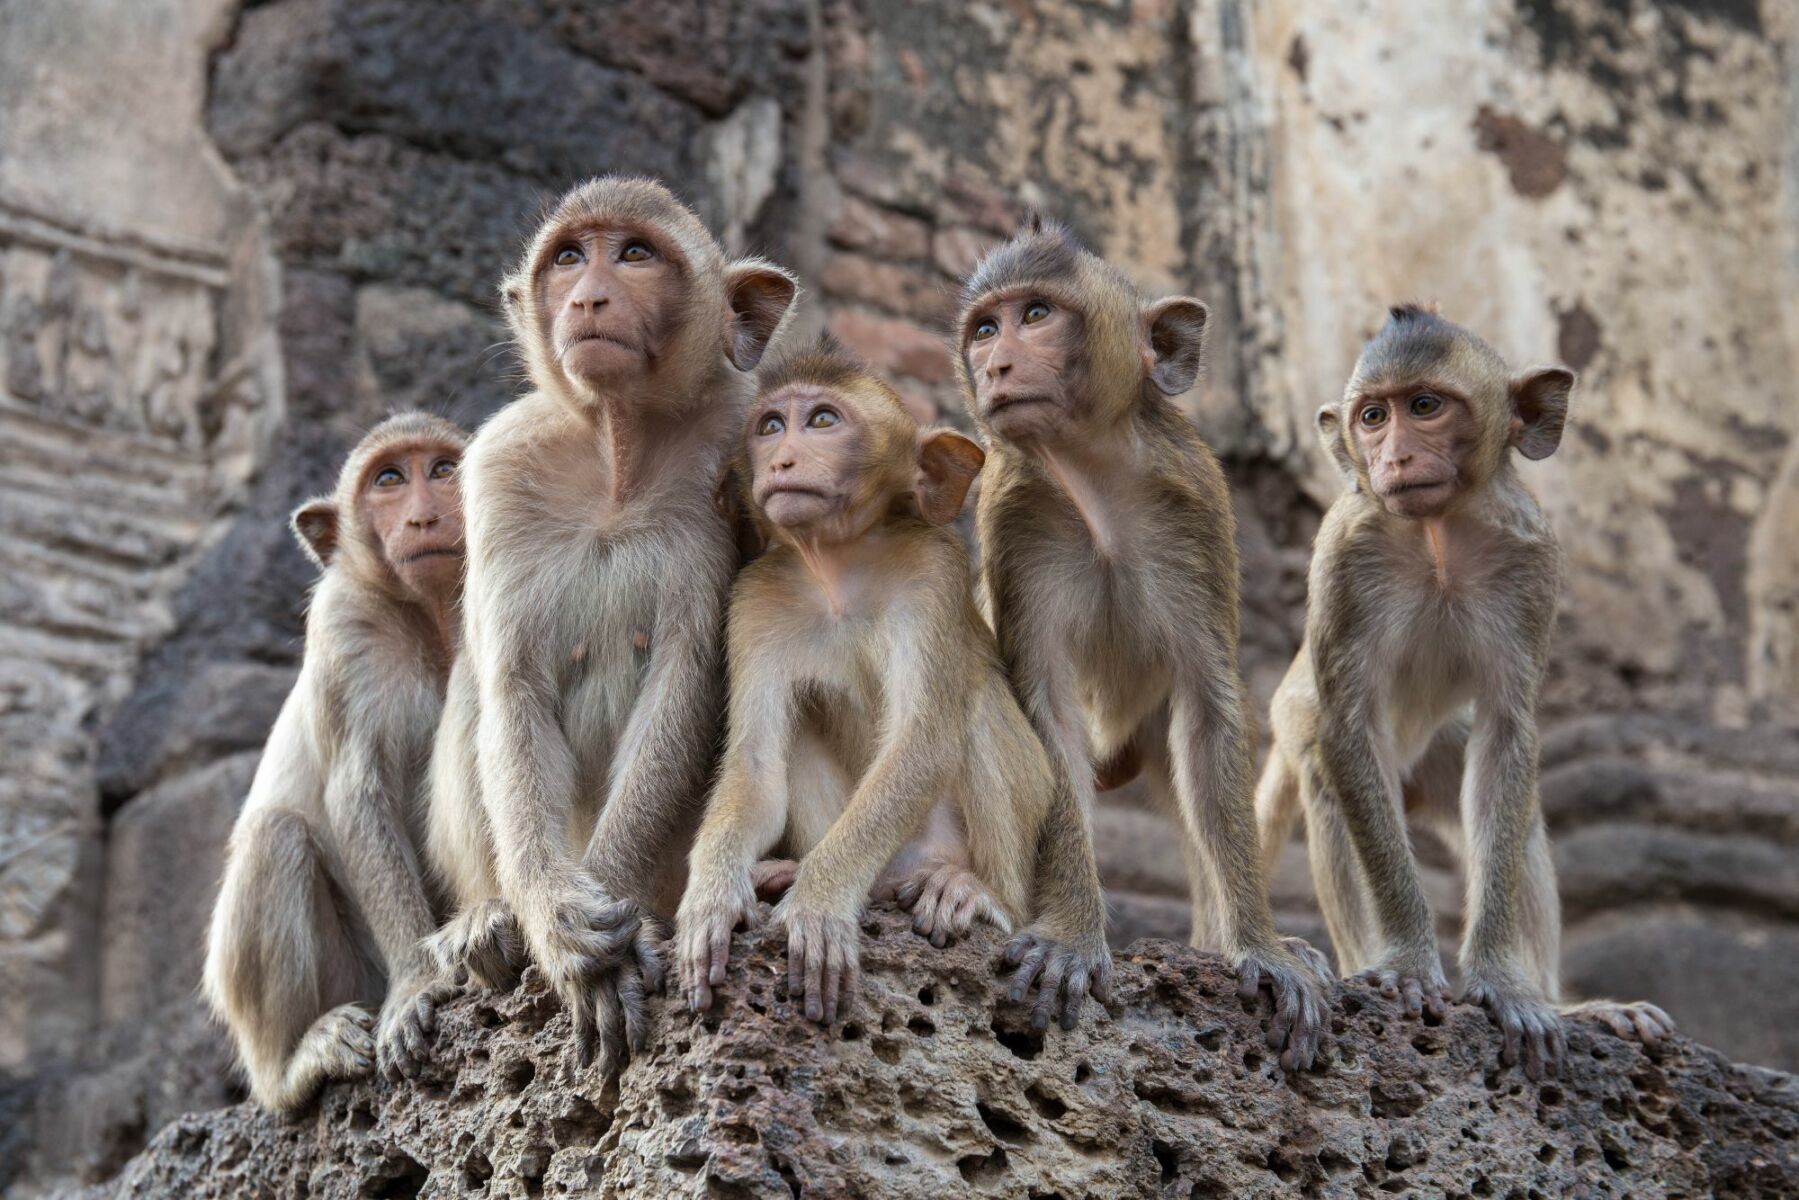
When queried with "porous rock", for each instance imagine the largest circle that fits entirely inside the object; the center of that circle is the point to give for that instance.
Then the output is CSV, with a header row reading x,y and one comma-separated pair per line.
x,y
933,1086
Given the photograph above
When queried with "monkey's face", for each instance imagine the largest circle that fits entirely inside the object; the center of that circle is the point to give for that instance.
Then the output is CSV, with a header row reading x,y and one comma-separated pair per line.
x,y
1021,349
413,507
812,449
1418,444
613,293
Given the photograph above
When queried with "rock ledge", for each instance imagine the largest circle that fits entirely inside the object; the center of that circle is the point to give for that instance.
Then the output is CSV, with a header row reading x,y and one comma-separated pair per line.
x,y
931,1089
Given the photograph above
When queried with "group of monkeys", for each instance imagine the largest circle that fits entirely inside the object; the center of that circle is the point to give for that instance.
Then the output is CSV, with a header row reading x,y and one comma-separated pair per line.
x,y
526,649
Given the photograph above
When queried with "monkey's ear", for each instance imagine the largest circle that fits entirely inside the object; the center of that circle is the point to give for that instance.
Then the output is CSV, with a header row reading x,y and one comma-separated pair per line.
x,y
1330,432
760,294
315,524
947,465
1176,329
1540,409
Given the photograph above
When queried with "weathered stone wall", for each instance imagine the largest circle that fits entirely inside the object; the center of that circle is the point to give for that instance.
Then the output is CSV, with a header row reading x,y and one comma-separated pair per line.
x,y
232,237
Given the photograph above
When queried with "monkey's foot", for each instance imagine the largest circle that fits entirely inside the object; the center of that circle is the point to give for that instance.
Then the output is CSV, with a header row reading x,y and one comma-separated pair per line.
x,y
946,899
703,930
408,1019
771,878
482,944
603,956
1529,1024
1637,1020
339,1045
1301,1008
1311,956
1065,969
824,963
1420,988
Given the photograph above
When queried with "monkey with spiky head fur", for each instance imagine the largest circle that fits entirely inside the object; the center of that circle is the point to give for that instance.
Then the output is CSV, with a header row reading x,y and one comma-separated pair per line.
x,y
583,715
325,898
1109,567
1431,605
868,708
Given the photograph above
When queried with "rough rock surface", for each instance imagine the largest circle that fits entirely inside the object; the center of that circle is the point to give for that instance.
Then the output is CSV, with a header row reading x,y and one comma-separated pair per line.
x,y
234,234
930,1089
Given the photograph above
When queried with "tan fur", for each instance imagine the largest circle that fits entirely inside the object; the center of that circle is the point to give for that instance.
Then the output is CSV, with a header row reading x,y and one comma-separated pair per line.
x,y
324,899
1415,692
868,709
582,720
1110,571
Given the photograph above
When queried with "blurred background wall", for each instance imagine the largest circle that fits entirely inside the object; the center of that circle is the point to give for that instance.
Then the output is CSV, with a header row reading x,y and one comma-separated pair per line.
x,y
233,236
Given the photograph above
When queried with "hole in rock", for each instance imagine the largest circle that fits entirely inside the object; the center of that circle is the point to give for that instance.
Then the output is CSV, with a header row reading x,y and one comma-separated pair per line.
x,y
400,1177
1003,1125
982,1169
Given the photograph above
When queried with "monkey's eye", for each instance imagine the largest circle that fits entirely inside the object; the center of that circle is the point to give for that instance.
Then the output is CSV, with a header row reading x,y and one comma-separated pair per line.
x,y
636,252
1426,404
769,424
1372,415
389,477
443,468
822,418
570,256
985,329
1035,311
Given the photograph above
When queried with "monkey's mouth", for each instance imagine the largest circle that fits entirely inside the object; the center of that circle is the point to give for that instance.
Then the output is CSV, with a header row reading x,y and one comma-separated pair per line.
x,y
792,489
437,552
595,335
1416,485
1001,403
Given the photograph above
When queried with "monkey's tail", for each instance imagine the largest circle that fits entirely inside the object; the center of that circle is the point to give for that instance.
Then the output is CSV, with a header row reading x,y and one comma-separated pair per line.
x,y
1277,807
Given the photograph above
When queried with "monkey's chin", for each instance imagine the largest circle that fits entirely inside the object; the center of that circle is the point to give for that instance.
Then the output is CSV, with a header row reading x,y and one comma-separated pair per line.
x,y
1421,502
797,511
431,574
1025,419
599,363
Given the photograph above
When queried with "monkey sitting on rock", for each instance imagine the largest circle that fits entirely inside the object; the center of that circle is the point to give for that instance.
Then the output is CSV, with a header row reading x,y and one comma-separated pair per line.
x,y
868,707
1431,603
324,900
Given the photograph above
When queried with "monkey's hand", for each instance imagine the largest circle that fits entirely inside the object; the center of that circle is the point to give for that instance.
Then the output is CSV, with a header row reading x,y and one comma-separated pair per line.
x,y
772,877
603,956
1301,1008
1528,1023
408,1019
824,961
1417,983
1637,1021
703,931
946,899
481,945
1065,970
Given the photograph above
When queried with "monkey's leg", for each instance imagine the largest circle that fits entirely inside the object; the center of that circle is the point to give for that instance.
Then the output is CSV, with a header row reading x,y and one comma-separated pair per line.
x,y
1337,878
1513,925
281,968
459,850
1209,750
1277,807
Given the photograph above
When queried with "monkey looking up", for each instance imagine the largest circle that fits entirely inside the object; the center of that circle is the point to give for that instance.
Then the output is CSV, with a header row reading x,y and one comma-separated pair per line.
x,y
324,901
583,715
1431,603
1109,568
864,689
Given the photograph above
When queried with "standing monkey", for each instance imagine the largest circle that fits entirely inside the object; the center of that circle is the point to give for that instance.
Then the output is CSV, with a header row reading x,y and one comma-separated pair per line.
x,y
1110,571
864,688
1431,604
583,716
324,903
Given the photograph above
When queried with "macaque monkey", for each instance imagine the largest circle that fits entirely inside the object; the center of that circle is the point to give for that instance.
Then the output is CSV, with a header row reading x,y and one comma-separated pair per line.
x,y
1110,574
324,900
868,707
583,716
1432,601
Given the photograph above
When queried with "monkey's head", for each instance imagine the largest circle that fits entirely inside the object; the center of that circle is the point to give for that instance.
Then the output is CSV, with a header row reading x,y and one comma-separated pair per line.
x,y
395,519
624,297
832,452
1432,412
1053,339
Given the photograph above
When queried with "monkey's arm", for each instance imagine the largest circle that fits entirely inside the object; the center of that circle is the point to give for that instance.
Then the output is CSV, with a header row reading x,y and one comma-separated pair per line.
x,y
667,748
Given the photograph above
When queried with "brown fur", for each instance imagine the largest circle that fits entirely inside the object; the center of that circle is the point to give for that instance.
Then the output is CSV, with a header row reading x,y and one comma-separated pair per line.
x,y
324,899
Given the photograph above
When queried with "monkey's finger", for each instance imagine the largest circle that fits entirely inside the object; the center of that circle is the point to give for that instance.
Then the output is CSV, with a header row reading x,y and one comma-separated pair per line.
x,y
1286,1012
815,978
1436,1004
1049,990
651,964
585,1035
906,895
718,953
1073,994
1249,980
796,963
1412,998
1101,987
609,1016
1030,967
833,979
1512,1032
1535,1052
1020,947
633,1001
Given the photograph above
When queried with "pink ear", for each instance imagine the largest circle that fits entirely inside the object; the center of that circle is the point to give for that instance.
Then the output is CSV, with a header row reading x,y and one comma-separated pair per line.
x,y
760,294
315,524
947,465
1540,409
